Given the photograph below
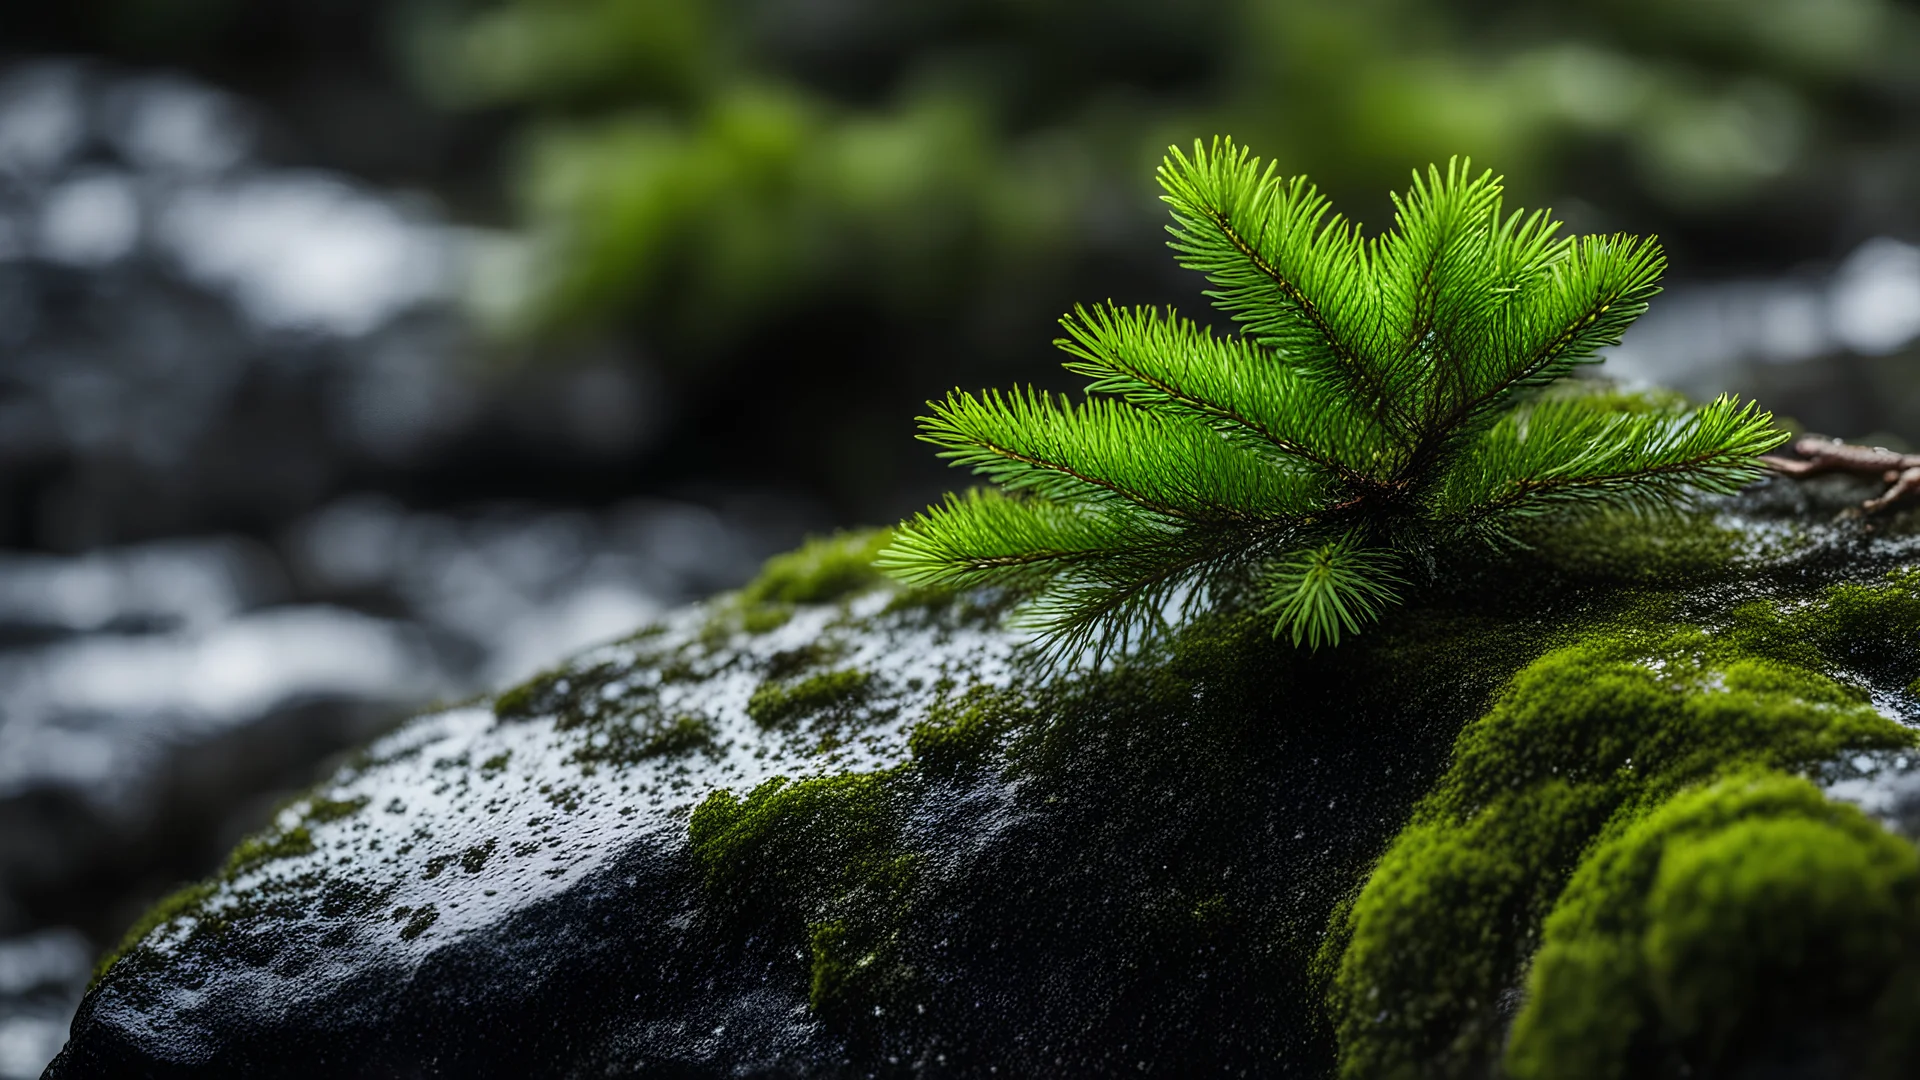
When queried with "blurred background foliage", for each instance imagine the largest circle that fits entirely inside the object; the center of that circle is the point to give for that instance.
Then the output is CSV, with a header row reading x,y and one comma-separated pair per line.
x,y
782,206
699,167
951,173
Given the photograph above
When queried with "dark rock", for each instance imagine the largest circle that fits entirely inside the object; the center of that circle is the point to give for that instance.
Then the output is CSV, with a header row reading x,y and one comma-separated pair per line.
x,y
921,853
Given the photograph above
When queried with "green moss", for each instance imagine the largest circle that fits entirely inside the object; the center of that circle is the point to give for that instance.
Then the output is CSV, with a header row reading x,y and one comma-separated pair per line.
x,y
984,606
821,570
649,735
474,859
617,717
1582,741
182,902
823,859
1868,628
765,618
1744,923
812,838
960,733
267,846
256,850
777,704
532,697
644,634
1636,549
851,966
324,809
790,662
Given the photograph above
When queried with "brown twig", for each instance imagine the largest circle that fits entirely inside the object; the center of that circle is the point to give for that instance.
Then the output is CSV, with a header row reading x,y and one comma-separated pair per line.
x,y
1901,472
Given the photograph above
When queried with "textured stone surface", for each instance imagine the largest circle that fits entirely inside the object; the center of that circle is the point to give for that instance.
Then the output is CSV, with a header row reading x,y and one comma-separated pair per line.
x,y
971,866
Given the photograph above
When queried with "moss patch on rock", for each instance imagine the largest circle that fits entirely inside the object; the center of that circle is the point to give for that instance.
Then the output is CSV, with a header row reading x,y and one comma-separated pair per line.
x,y
1169,861
181,902
822,857
1427,960
275,842
777,704
961,731
1644,549
822,570
612,709
1751,923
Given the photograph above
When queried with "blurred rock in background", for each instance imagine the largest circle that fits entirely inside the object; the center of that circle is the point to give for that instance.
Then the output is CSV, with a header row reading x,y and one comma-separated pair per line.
x,y
355,355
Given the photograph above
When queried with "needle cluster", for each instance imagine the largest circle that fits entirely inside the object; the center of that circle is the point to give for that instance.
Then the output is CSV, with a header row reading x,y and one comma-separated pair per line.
x,y
1378,402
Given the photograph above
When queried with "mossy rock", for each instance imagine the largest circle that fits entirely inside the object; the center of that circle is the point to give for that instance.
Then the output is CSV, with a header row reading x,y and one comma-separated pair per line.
x,y
823,827
1747,925
1580,745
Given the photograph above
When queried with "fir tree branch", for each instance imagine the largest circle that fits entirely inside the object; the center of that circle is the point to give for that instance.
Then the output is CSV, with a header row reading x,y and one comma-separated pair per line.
x,y
985,537
1320,593
1269,281
1440,232
1096,608
1234,385
1171,465
1609,306
1370,411
1563,452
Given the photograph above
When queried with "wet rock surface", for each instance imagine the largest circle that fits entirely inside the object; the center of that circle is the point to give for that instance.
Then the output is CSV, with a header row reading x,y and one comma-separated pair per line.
x,y
245,522
822,828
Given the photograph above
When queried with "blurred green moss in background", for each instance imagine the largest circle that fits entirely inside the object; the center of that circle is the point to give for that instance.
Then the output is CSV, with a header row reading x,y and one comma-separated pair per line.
x,y
776,211
701,167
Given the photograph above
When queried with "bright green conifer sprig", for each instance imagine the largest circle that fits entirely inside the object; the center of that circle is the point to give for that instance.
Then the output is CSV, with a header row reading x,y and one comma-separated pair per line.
x,y
1377,404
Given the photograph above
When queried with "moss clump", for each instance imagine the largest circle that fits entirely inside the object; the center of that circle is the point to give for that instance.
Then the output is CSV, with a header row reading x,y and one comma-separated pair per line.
x,y
777,704
984,606
418,920
821,570
682,733
1744,924
840,959
576,695
822,859
532,697
1582,741
755,619
474,859
813,839
790,662
959,733
267,846
1868,628
619,717
323,809
648,735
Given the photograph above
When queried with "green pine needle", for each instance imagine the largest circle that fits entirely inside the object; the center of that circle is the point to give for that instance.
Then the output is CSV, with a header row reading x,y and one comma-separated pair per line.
x,y
1379,401
1335,588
